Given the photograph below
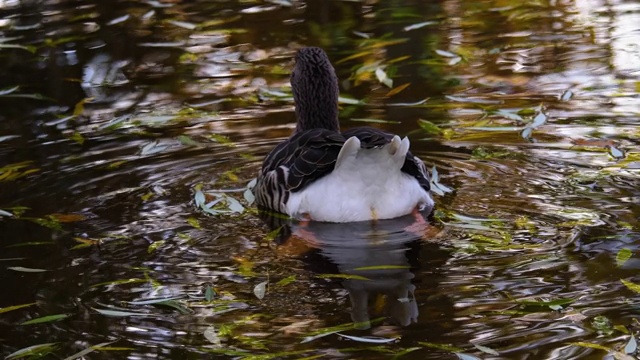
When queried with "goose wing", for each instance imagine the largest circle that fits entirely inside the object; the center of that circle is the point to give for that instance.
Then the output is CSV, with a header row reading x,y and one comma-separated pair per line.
x,y
305,157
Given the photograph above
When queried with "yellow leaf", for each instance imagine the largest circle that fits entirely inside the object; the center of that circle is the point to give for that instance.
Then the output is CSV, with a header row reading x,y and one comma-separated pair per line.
x,y
67,218
631,285
397,89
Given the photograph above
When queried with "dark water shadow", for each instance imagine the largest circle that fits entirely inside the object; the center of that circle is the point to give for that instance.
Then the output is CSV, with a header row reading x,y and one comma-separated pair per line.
x,y
374,261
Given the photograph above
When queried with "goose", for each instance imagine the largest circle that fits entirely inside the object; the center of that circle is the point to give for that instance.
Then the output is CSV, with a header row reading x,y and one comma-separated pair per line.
x,y
322,174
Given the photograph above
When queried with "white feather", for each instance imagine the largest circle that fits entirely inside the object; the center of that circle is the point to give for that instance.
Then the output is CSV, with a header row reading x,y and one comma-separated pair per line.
x,y
366,184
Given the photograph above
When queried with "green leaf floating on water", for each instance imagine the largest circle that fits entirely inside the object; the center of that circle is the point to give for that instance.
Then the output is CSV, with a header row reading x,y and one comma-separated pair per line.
x,y
622,256
15,307
34,351
631,285
45,319
88,350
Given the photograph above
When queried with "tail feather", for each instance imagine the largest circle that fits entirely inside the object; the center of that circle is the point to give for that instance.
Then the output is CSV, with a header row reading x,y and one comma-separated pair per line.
x,y
349,149
396,148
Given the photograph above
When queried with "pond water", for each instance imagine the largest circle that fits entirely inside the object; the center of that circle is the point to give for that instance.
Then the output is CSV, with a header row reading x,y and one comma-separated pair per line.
x,y
130,130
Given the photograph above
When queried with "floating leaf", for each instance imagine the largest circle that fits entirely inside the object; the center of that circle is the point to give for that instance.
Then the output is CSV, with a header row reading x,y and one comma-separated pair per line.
x,y
119,313
39,350
616,354
45,319
15,307
632,345
631,286
25,269
486,350
68,218
419,25
375,121
417,103
471,100
509,115
526,133
29,48
463,356
436,186
429,127
445,53
260,290
539,119
78,109
397,89
153,148
455,60
321,335
5,213
615,152
118,20
185,140
199,197
286,281
88,350
382,267
248,196
622,256
183,24
175,305
155,245
209,293
341,276
154,300
194,222
546,303
369,339
211,335
566,95
383,77
16,171
8,91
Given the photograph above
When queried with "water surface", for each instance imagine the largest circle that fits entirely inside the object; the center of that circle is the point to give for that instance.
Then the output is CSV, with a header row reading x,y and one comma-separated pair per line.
x,y
116,117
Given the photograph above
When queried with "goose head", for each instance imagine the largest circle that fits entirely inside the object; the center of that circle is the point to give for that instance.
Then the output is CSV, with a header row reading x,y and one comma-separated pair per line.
x,y
315,90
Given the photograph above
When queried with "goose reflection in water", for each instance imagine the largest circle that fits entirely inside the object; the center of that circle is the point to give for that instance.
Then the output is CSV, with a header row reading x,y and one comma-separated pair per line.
x,y
375,258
